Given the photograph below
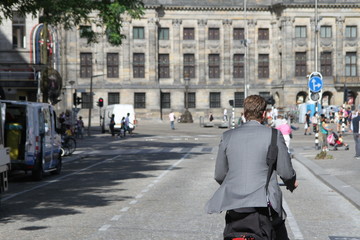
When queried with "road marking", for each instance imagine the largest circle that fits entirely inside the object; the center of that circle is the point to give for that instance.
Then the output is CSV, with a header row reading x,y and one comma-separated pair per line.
x,y
133,202
292,222
56,180
105,227
125,209
116,218
139,196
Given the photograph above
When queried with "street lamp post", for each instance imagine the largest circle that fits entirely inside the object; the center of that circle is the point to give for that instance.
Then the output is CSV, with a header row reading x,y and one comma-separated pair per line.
x,y
91,100
187,117
72,82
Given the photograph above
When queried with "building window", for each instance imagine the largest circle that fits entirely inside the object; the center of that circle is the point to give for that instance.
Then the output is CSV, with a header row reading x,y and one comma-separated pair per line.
x,y
325,32
84,31
351,31
350,64
263,34
189,65
191,100
18,29
86,100
300,32
165,100
326,63
164,66
265,95
113,98
164,34
238,65
239,34
239,99
214,34
139,100
214,66
215,100
263,66
189,34
85,65
300,64
112,61
139,65
138,33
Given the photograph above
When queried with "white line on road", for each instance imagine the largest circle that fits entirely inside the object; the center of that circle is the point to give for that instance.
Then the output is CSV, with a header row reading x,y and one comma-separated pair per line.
x,y
125,209
116,218
292,222
55,180
133,202
105,227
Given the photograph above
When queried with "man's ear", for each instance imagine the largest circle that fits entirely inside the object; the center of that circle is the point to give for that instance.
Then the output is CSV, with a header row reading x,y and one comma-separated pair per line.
x,y
264,114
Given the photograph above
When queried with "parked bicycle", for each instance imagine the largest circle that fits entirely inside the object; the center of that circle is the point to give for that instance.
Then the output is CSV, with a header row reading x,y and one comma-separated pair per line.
x,y
68,145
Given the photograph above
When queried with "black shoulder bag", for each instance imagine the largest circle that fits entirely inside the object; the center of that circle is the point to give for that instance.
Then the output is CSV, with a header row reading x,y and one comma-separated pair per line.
x,y
271,159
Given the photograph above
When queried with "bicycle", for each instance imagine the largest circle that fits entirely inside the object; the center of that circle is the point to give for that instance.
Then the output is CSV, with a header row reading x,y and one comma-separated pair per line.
x,y
68,145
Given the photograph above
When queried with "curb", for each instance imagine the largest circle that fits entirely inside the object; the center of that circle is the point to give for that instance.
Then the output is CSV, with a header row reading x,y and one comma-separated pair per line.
x,y
347,191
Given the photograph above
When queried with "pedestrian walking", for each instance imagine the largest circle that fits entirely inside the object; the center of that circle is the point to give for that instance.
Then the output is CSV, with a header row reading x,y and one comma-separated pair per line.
x,y
80,128
307,123
324,131
127,124
356,133
284,128
225,116
241,169
112,125
172,118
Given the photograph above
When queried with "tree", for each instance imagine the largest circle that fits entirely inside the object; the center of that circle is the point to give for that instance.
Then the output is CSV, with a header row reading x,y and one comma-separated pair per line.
x,y
70,13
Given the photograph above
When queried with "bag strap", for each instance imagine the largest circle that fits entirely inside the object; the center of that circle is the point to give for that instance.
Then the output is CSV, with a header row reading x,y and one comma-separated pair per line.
x,y
271,159
271,156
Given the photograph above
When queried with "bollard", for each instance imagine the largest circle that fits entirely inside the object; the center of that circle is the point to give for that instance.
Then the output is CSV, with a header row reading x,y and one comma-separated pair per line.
x,y
233,118
317,147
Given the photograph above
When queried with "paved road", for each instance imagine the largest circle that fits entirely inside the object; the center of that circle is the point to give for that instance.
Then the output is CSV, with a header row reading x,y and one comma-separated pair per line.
x,y
154,186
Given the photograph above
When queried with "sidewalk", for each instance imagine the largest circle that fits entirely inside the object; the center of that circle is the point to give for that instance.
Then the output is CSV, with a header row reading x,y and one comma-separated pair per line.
x,y
340,173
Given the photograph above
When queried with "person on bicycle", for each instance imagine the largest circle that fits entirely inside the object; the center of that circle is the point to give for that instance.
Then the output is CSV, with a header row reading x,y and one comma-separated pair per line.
x,y
241,170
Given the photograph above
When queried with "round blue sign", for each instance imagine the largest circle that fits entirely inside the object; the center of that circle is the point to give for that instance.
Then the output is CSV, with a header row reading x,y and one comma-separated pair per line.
x,y
315,84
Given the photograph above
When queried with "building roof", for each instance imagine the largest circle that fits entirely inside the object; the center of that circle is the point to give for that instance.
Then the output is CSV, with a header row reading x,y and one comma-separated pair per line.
x,y
236,4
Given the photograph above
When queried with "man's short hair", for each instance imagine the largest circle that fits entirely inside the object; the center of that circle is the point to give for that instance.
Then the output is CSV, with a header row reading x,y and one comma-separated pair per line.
x,y
254,107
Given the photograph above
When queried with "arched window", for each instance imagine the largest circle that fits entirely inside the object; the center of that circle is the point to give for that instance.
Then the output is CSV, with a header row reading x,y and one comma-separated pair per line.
x,y
326,98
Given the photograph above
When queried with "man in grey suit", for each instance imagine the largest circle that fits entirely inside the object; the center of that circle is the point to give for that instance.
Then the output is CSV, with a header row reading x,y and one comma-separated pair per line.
x,y
241,170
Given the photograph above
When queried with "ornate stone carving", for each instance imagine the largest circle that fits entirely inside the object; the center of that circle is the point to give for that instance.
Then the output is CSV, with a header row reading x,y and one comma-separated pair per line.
x,y
287,21
164,45
202,22
176,22
153,21
252,23
227,22
326,42
351,43
300,42
188,45
214,45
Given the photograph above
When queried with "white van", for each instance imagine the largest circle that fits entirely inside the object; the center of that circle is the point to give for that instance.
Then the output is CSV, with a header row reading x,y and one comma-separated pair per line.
x,y
32,136
120,111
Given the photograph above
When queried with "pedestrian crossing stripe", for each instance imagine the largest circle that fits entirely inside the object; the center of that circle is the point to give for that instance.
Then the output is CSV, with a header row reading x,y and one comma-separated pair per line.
x,y
152,151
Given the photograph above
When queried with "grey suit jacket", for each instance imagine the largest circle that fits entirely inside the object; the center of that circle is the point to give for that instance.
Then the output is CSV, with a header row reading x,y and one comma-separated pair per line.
x,y
241,170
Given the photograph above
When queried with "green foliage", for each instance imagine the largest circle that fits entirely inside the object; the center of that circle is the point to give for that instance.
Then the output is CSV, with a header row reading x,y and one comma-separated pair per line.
x,y
323,155
107,14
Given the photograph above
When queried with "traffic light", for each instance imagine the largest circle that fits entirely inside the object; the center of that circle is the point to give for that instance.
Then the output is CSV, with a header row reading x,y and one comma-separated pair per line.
x,y
347,94
270,101
78,101
100,102
74,98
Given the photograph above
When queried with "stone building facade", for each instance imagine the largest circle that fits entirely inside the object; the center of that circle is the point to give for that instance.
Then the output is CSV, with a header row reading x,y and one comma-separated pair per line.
x,y
226,49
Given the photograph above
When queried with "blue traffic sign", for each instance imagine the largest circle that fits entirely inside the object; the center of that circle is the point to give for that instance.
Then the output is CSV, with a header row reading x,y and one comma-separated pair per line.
x,y
315,84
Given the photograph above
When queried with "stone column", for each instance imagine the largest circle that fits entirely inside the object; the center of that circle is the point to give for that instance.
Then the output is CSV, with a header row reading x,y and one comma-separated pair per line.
x,y
252,64
227,63
176,57
288,68
274,54
203,58
125,73
339,54
152,58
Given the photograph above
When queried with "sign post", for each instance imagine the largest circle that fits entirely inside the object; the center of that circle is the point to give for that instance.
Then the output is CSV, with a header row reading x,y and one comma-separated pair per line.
x,y
315,85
